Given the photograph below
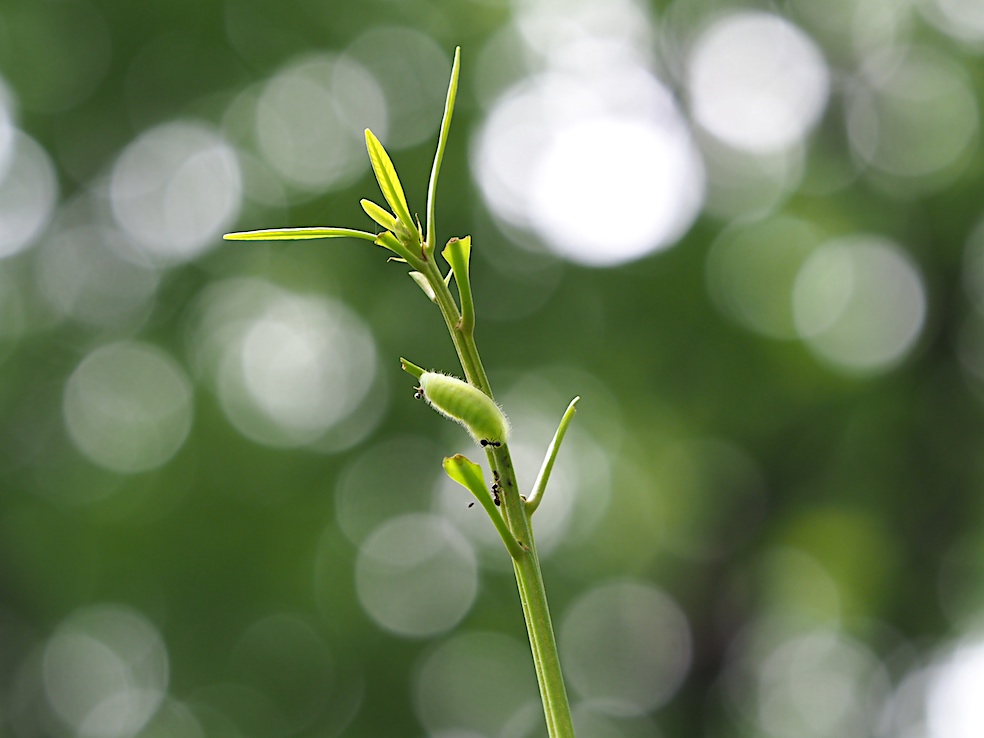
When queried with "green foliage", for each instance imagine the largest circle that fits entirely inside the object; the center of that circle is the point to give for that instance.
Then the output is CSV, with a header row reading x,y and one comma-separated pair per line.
x,y
757,487
471,405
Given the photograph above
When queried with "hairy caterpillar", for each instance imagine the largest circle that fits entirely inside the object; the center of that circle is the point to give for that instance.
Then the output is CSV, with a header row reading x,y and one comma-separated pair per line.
x,y
467,405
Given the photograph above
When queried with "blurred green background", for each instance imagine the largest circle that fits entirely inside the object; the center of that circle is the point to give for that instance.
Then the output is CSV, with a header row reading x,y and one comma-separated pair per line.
x,y
747,234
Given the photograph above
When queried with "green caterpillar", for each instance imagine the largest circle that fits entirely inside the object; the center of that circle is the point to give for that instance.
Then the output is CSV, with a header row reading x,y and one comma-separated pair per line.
x,y
467,405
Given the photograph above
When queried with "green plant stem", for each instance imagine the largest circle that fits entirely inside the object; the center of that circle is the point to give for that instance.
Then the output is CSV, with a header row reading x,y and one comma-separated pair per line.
x,y
526,563
533,596
462,337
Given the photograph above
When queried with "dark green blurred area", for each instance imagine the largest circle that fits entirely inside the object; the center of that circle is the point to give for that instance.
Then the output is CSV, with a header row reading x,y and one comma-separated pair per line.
x,y
202,535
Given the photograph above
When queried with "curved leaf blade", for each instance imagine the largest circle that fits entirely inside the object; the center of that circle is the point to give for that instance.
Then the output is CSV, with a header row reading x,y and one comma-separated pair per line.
x,y
389,182
470,476
442,141
298,234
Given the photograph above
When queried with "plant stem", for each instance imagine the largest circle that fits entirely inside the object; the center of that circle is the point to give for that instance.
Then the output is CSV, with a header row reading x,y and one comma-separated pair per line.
x,y
533,596
526,563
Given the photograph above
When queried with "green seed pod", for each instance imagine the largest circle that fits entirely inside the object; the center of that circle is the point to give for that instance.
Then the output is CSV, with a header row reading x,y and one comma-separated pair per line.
x,y
466,405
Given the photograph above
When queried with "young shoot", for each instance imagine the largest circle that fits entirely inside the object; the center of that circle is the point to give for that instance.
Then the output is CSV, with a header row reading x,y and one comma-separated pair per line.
x,y
467,401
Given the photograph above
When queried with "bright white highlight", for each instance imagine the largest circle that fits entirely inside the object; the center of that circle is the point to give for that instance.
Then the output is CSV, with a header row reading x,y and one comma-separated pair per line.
x,y
954,707
611,190
128,407
757,82
859,303
592,155
175,190
600,189
416,576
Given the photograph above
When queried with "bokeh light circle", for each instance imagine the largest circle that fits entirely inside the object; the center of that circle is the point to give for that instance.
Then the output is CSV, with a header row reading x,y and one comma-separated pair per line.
x,y
913,115
384,480
610,190
105,672
752,268
284,658
625,647
175,190
860,303
475,684
953,705
288,368
809,683
82,273
28,192
601,167
128,407
310,119
416,576
962,19
8,132
411,71
757,82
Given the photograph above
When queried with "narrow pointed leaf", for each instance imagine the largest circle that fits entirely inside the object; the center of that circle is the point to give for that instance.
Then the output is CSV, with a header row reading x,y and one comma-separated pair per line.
x,y
382,216
389,183
410,368
442,141
298,234
422,282
548,461
458,253
470,476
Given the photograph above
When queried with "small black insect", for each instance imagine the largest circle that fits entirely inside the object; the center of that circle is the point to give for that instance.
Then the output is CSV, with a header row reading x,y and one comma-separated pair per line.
x,y
419,394
494,444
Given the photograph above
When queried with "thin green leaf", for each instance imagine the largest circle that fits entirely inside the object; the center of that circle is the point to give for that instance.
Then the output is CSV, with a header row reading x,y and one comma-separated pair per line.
x,y
469,475
458,253
410,368
548,461
298,234
382,216
389,183
422,282
442,141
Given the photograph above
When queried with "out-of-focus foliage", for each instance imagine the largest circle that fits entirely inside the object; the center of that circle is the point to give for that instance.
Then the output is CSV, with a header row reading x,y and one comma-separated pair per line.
x,y
747,235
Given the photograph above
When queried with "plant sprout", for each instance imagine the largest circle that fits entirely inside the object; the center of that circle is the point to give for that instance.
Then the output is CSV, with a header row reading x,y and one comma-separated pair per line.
x,y
469,402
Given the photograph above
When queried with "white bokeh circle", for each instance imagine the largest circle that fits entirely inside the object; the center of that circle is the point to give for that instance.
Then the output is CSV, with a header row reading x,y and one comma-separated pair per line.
x,y
757,82
128,407
416,576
